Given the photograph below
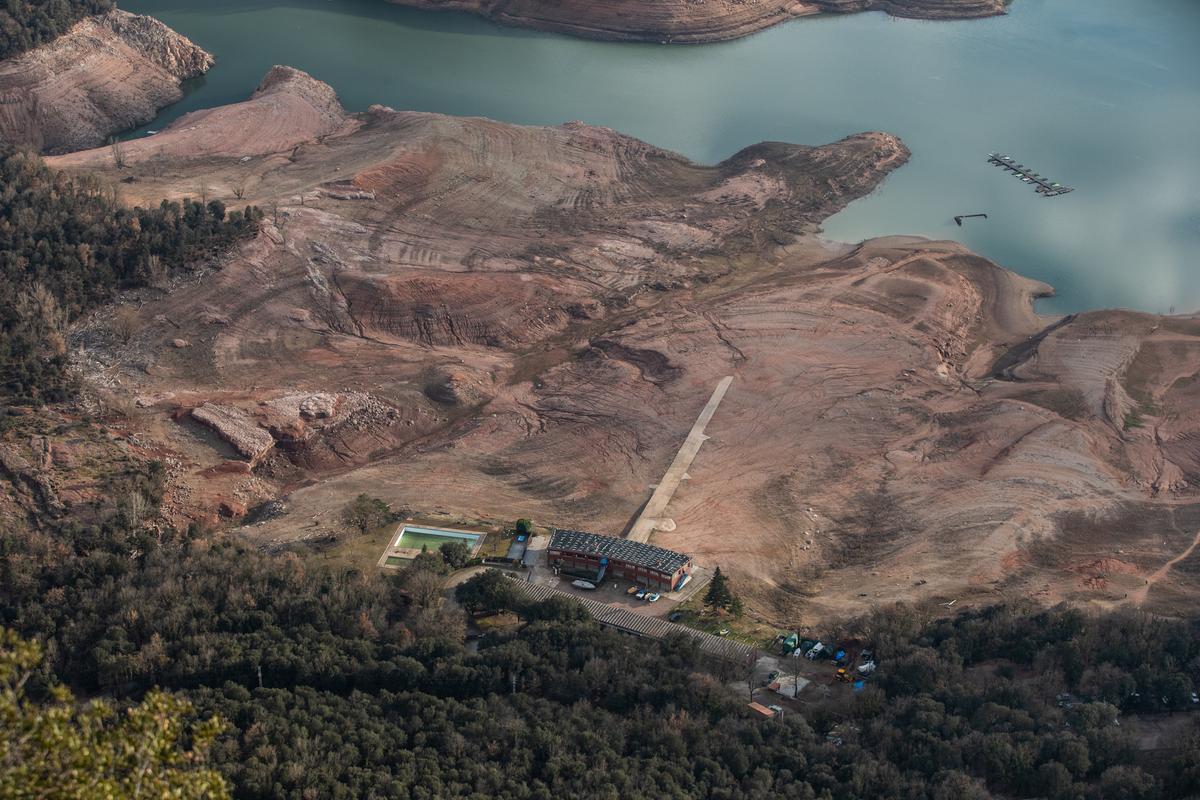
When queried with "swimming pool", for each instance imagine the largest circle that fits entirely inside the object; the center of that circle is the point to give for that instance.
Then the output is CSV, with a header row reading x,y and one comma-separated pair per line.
x,y
414,538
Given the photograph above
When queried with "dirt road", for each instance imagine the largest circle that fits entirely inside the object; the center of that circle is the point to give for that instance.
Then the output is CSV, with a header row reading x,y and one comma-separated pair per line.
x,y
1138,596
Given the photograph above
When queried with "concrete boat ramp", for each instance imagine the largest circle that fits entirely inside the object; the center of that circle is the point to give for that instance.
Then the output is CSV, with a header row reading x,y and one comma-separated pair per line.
x,y
651,517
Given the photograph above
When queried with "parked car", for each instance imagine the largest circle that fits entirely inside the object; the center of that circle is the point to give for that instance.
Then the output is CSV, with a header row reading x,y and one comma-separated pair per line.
x,y
675,616
640,594
581,584
777,709
653,597
631,590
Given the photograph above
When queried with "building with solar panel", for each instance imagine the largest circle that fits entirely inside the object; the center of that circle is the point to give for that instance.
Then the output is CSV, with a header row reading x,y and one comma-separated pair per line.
x,y
592,556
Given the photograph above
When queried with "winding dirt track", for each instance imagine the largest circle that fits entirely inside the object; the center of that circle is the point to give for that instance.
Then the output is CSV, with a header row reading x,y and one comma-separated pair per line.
x,y
1138,596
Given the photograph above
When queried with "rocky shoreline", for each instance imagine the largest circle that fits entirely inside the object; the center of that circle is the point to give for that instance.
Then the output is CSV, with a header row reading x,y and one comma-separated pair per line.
x,y
689,21
108,74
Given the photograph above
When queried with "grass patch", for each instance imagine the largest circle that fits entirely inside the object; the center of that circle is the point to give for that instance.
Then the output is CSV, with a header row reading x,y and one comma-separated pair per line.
x,y
495,545
1134,419
505,620
742,629
355,550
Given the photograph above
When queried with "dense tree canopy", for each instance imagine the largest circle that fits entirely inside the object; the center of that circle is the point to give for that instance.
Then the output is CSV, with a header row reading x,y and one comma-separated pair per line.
x,y
66,245
59,749
365,693
24,24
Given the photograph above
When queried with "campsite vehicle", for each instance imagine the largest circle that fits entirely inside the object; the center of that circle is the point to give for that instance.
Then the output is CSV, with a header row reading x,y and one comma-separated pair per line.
x,y
653,597
640,593
582,584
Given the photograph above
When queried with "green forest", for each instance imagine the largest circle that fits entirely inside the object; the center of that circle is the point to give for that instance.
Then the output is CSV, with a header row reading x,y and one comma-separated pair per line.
x,y
24,24
356,685
67,245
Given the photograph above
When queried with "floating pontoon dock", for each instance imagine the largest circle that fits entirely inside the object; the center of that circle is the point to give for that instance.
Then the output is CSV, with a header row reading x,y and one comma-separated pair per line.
x,y
1044,186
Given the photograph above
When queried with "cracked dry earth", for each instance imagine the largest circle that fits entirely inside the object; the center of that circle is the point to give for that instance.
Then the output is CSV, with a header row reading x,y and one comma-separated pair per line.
x,y
493,321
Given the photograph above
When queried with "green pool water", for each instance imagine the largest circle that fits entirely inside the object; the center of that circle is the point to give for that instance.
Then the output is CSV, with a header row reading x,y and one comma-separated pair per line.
x,y
415,538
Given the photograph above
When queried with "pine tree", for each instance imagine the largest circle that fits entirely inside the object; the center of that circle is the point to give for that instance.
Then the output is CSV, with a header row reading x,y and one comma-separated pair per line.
x,y
718,595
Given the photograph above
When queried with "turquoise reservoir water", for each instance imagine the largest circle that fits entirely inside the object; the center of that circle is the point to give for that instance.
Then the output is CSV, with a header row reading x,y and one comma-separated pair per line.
x,y
1101,95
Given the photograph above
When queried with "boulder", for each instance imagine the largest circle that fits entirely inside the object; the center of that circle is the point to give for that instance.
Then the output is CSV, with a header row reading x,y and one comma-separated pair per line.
x,y
237,428
318,406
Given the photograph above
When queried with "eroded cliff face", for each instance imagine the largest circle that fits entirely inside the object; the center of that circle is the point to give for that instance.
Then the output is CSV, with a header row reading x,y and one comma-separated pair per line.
x,y
107,74
689,21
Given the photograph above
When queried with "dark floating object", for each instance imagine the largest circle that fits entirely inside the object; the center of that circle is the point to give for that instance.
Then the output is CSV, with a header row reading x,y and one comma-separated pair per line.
x,y
1045,187
961,217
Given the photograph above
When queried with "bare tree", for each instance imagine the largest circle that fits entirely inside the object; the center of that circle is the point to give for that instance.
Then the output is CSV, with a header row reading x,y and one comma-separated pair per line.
x,y
118,152
431,624
125,323
40,313
136,508
156,274
239,187
117,403
426,588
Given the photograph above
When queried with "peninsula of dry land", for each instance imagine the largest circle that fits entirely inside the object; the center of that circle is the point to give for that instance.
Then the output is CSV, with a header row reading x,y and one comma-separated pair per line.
x,y
496,321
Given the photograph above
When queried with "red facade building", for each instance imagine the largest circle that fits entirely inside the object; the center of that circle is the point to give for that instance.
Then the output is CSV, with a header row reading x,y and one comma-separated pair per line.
x,y
595,556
